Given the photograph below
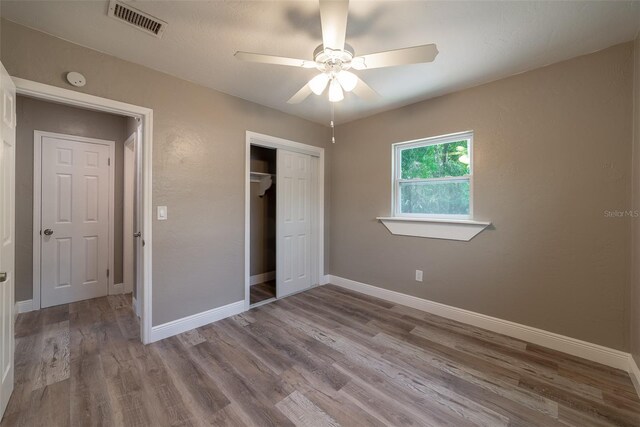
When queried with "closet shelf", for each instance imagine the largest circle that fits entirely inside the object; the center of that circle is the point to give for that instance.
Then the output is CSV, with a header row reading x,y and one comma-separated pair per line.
x,y
256,176
265,181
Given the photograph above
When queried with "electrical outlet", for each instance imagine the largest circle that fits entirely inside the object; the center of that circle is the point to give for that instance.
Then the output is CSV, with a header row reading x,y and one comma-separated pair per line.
x,y
418,275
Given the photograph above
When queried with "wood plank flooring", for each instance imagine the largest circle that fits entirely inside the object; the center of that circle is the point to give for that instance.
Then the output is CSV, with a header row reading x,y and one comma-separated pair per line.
x,y
262,292
326,357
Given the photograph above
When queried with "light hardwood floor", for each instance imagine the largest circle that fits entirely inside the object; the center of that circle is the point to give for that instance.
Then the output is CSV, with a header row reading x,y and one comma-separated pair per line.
x,y
323,357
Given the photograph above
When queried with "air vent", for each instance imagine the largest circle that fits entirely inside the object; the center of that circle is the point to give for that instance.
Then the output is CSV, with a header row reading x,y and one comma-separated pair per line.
x,y
136,18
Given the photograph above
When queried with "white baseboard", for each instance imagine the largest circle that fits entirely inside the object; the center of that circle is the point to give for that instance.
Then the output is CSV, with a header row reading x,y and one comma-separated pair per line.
x,y
634,373
325,279
120,288
24,306
262,277
134,304
179,326
594,352
116,289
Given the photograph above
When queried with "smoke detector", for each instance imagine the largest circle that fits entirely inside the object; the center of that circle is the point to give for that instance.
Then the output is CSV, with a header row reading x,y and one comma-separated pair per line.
x,y
76,79
136,18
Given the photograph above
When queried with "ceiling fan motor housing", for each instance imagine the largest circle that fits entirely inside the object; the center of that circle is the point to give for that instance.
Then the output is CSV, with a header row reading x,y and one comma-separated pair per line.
x,y
333,60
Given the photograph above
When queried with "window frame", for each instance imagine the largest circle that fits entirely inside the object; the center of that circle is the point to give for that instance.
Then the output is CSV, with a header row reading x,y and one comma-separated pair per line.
x,y
396,169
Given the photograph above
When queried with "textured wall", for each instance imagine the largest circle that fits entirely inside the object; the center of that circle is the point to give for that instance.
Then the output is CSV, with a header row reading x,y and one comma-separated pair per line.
x,y
45,116
552,152
198,164
635,253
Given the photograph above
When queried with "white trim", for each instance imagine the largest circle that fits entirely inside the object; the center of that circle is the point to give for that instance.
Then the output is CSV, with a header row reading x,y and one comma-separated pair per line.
x,y
634,373
593,352
263,302
268,141
253,138
83,100
262,277
134,305
128,221
435,228
326,278
38,137
116,289
441,220
78,99
398,147
37,162
188,323
120,288
24,306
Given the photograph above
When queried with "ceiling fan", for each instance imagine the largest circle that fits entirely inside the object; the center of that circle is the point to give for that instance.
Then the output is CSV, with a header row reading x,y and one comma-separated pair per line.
x,y
334,58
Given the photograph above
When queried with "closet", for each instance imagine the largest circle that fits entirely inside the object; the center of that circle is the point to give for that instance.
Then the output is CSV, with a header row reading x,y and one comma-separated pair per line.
x,y
283,218
262,202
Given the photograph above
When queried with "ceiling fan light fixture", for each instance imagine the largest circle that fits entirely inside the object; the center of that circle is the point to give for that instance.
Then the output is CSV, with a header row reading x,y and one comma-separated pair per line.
x,y
319,83
347,80
335,91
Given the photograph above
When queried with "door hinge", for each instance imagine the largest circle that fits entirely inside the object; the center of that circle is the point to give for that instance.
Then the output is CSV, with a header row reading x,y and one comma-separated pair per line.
x,y
109,161
107,273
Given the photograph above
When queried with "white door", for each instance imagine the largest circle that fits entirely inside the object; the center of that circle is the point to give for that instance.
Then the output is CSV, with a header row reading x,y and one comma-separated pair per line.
x,y
74,219
293,228
7,233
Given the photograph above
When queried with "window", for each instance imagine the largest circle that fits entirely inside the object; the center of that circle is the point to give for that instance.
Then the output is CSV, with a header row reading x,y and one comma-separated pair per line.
x,y
432,177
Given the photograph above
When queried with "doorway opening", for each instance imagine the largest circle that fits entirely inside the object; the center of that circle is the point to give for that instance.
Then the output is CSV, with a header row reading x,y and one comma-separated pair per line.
x,y
284,218
91,226
83,210
263,224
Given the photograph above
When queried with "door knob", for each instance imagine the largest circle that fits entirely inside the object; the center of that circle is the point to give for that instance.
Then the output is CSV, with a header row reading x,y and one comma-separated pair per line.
x,y
3,277
138,234
48,232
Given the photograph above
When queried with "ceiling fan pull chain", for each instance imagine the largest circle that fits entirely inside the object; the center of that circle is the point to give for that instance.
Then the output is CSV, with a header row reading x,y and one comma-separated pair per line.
x,y
333,129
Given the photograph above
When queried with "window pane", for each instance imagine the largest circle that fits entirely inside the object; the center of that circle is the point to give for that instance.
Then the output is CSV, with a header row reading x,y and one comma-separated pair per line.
x,y
435,161
435,197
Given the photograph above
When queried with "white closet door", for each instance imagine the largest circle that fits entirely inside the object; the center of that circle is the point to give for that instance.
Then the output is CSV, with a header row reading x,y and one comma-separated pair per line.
x,y
293,266
75,220
7,233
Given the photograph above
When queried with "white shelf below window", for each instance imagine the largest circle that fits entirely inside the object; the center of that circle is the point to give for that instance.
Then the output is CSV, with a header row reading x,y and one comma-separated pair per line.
x,y
435,228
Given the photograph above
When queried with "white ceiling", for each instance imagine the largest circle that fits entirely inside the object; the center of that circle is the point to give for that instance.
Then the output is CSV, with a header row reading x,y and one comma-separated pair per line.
x,y
478,42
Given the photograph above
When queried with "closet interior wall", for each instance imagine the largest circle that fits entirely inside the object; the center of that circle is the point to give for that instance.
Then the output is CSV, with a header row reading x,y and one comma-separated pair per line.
x,y
263,216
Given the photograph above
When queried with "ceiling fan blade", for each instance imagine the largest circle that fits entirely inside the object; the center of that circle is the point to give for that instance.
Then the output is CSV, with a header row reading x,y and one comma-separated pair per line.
x,y
333,17
364,91
391,58
300,95
277,60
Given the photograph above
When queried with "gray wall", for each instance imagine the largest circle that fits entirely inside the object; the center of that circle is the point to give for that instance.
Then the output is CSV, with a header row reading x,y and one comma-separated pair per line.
x,y
45,116
552,153
635,253
198,164
263,214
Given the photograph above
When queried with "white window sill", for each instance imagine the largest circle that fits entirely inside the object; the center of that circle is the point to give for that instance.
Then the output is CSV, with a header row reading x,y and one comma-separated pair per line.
x,y
435,228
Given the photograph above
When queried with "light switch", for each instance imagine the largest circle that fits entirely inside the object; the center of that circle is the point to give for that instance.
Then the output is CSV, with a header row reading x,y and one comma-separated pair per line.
x,y
162,213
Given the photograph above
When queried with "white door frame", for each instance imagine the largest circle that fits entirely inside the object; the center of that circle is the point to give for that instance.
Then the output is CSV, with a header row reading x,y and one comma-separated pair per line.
x,y
96,103
317,251
38,136
128,223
